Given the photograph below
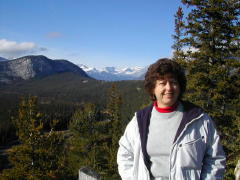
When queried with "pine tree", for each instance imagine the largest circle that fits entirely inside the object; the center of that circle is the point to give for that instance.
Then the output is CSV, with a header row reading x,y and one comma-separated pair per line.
x,y
178,53
113,112
85,142
211,33
40,154
95,136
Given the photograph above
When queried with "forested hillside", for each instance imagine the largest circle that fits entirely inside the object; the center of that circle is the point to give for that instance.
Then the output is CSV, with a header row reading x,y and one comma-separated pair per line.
x,y
60,94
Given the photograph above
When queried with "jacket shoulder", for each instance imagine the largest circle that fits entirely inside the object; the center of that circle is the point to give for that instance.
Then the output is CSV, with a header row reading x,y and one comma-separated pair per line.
x,y
146,110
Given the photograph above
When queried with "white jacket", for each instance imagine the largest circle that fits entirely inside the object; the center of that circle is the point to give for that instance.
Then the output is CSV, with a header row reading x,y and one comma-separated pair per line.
x,y
196,153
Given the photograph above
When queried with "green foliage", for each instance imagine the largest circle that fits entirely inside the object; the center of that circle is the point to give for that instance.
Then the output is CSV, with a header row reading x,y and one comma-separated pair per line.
x,y
179,27
95,136
85,142
66,92
40,155
113,112
211,35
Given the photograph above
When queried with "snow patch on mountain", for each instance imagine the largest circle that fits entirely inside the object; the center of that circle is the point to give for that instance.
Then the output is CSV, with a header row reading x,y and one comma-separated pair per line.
x,y
115,74
3,59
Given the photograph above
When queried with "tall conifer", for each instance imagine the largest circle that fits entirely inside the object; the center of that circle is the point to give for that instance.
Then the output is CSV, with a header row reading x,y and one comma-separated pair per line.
x,y
89,141
178,53
113,112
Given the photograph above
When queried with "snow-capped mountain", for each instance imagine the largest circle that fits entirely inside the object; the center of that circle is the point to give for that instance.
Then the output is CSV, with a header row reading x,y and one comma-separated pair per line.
x,y
115,74
3,59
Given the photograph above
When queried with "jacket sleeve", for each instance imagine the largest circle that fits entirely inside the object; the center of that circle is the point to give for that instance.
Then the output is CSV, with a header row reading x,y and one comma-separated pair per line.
x,y
125,156
214,161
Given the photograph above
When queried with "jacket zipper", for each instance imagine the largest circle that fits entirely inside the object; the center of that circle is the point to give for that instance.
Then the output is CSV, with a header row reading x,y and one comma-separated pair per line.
x,y
186,126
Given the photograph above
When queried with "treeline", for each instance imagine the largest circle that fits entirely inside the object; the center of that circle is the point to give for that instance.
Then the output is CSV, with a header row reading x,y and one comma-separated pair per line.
x,y
46,153
207,44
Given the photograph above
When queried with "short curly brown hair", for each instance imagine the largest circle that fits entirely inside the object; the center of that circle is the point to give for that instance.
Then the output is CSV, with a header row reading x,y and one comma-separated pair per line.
x,y
160,68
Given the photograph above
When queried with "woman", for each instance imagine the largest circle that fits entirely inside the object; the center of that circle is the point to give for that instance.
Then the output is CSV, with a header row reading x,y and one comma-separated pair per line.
x,y
170,139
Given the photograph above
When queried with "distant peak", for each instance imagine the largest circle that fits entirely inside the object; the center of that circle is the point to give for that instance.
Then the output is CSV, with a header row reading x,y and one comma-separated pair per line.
x,y
111,73
3,59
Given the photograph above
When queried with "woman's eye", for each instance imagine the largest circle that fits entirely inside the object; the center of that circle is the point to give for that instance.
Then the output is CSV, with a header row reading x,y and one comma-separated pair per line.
x,y
161,83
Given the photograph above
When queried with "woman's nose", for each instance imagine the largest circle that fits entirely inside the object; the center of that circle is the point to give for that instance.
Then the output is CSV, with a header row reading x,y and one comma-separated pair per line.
x,y
169,86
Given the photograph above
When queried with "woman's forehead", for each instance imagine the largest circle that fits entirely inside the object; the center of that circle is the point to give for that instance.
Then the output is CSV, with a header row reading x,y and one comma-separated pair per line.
x,y
167,76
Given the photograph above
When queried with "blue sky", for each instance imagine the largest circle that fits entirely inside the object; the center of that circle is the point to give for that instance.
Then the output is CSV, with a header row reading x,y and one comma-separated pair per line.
x,y
97,33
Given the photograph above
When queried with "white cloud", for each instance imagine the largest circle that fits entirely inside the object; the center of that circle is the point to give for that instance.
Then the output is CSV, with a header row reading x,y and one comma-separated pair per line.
x,y
13,49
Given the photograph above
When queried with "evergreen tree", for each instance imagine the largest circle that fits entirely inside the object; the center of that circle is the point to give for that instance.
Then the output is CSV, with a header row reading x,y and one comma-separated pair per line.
x,y
40,154
113,112
95,136
211,33
178,53
86,141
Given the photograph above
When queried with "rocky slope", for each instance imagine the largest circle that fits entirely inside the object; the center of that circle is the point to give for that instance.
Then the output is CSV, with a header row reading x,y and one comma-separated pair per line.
x,y
29,67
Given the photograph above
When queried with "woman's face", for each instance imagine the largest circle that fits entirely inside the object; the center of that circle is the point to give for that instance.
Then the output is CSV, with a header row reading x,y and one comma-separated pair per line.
x,y
167,91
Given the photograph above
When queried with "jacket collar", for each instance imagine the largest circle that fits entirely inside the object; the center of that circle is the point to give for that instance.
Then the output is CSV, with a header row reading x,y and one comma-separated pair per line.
x,y
190,112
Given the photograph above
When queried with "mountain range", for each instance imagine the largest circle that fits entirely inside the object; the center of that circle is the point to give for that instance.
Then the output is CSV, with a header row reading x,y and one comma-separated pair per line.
x,y
30,67
115,74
